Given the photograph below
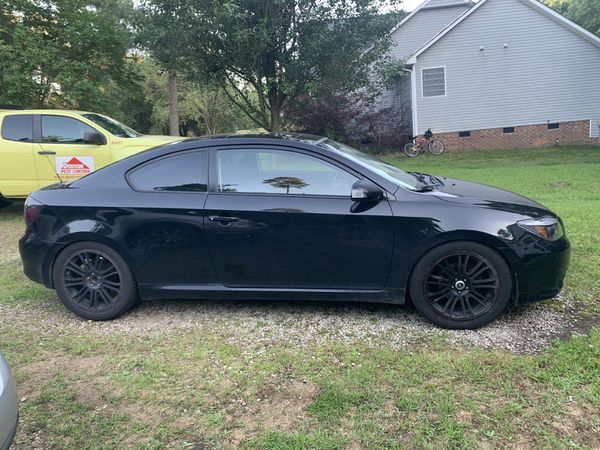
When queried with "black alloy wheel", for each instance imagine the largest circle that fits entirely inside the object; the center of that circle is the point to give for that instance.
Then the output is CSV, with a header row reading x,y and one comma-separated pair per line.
x,y
93,281
461,285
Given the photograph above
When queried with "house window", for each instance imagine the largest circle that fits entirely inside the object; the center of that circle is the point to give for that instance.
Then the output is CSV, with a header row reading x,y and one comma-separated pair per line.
x,y
434,82
508,130
553,126
464,133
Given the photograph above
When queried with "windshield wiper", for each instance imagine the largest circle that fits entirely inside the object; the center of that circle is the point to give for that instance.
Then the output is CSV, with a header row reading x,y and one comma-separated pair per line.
x,y
425,188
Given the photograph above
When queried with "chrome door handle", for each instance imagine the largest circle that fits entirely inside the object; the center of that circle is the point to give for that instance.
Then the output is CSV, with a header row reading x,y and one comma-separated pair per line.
x,y
223,220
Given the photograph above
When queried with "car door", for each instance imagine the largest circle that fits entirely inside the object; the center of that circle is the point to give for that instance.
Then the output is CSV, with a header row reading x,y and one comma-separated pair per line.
x,y
18,176
284,218
62,152
165,237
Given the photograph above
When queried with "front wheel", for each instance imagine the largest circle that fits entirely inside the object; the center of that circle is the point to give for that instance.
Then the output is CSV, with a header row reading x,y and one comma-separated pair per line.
x,y
461,285
411,149
93,281
436,147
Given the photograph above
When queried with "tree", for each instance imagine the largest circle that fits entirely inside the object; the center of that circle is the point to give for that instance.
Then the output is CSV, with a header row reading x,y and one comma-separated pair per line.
x,y
268,53
584,12
203,108
63,52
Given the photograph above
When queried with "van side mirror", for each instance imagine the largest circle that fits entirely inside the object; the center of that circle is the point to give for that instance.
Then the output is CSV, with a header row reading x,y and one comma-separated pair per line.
x,y
366,191
93,137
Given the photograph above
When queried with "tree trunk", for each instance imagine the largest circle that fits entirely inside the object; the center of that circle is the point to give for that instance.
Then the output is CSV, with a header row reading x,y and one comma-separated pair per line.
x,y
173,108
275,120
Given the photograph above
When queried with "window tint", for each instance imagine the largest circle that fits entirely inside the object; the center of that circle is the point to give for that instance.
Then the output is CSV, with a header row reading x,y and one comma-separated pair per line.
x,y
18,128
64,130
280,172
434,82
181,173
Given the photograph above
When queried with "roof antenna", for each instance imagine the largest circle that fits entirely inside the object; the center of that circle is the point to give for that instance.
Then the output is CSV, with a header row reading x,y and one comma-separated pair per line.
x,y
47,155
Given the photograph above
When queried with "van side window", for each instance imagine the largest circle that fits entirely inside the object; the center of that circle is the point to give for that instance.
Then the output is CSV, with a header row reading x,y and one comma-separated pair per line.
x,y
18,128
64,130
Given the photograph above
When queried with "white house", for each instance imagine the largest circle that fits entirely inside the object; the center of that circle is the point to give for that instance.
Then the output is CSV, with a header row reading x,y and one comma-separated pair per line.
x,y
496,74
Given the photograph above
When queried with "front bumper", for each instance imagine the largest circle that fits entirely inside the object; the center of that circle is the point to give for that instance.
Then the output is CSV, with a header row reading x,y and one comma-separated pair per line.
x,y
9,406
544,267
11,435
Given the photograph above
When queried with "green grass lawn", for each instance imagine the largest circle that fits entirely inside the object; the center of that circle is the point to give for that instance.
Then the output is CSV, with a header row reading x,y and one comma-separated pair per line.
x,y
94,385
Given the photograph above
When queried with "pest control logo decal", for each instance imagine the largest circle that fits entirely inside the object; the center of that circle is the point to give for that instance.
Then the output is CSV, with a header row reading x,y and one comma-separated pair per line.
x,y
74,166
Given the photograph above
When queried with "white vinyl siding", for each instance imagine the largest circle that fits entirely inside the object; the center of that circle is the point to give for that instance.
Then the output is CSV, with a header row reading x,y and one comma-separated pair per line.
x,y
546,72
433,80
421,27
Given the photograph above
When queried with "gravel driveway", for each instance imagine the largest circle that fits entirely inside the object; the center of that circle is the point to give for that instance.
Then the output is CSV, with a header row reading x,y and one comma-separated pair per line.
x,y
258,325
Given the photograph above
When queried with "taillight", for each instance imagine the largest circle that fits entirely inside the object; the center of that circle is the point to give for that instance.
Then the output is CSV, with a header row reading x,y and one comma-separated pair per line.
x,y
32,210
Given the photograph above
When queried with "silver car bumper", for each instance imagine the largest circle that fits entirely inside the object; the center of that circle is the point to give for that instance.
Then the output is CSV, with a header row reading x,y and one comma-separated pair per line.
x,y
9,406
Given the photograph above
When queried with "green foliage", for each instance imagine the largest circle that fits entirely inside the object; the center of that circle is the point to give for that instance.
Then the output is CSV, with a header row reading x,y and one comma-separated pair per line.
x,y
584,12
63,53
203,108
269,53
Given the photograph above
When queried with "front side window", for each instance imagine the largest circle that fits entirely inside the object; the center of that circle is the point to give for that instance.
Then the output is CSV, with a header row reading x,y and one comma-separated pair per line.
x,y
18,128
280,172
434,82
180,173
64,130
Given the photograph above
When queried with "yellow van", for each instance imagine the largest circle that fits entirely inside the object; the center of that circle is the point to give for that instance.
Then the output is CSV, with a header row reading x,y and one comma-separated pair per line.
x,y
42,147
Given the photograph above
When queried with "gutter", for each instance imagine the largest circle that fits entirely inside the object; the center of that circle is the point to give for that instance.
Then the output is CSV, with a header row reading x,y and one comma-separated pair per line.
x,y
413,99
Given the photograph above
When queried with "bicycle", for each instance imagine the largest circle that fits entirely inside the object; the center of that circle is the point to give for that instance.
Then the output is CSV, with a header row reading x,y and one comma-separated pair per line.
x,y
422,144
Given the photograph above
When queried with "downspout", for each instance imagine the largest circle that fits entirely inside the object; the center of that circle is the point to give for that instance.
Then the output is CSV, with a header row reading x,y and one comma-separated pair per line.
x,y
413,99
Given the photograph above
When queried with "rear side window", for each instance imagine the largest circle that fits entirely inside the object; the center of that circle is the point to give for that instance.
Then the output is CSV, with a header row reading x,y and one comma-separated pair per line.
x,y
18,128
181,173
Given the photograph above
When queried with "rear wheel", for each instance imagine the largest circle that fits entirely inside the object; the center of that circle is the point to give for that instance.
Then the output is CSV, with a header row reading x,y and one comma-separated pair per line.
x,y
93,281
436,147
461,285
411,149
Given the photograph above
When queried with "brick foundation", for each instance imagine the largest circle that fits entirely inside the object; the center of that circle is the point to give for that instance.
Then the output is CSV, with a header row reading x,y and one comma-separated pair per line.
x,y
529,136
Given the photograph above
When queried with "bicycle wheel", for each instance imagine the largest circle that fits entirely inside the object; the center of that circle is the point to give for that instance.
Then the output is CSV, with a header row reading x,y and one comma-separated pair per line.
x,y
411,149
436,147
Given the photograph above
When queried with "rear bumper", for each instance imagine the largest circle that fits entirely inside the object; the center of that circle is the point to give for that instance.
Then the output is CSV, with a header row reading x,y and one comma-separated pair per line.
x,y
9,406
37,257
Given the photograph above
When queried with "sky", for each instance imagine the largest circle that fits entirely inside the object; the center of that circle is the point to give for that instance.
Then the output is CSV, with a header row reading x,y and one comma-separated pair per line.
x,y
409,5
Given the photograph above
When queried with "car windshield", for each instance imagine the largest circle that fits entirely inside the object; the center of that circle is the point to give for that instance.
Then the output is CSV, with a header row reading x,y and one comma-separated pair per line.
x,y
389,172
112,126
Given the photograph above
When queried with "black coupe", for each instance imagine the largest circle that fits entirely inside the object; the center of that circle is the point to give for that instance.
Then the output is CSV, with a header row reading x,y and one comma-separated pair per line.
x,y
289,216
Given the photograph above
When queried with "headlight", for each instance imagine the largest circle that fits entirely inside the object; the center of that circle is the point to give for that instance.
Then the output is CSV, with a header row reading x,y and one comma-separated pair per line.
x,y
547,227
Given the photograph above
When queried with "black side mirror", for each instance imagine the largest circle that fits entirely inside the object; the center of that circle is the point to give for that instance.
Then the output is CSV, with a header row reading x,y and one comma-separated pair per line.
x,y
93,137
366,191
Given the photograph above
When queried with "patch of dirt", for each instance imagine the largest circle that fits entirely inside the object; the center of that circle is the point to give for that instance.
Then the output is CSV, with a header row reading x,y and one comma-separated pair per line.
x,y
282,408
574,421
38,373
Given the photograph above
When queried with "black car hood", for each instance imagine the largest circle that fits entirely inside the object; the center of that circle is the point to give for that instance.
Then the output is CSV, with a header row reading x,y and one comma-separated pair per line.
x,y
467,192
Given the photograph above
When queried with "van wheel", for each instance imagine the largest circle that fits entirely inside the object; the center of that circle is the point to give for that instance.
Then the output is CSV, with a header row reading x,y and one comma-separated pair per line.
x,y
461,285
4,202
93,281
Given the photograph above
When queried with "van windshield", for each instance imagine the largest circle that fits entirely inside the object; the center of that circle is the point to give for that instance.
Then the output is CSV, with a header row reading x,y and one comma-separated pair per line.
x,y
112,126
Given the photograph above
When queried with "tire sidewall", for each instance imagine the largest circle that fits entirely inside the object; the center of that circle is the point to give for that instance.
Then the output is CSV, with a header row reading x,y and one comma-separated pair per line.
x,y
421,269
124,300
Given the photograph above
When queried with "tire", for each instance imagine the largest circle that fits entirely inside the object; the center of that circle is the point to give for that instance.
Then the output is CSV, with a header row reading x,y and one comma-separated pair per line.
x,y
4,202
411,150
436,147
461,285
93,281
